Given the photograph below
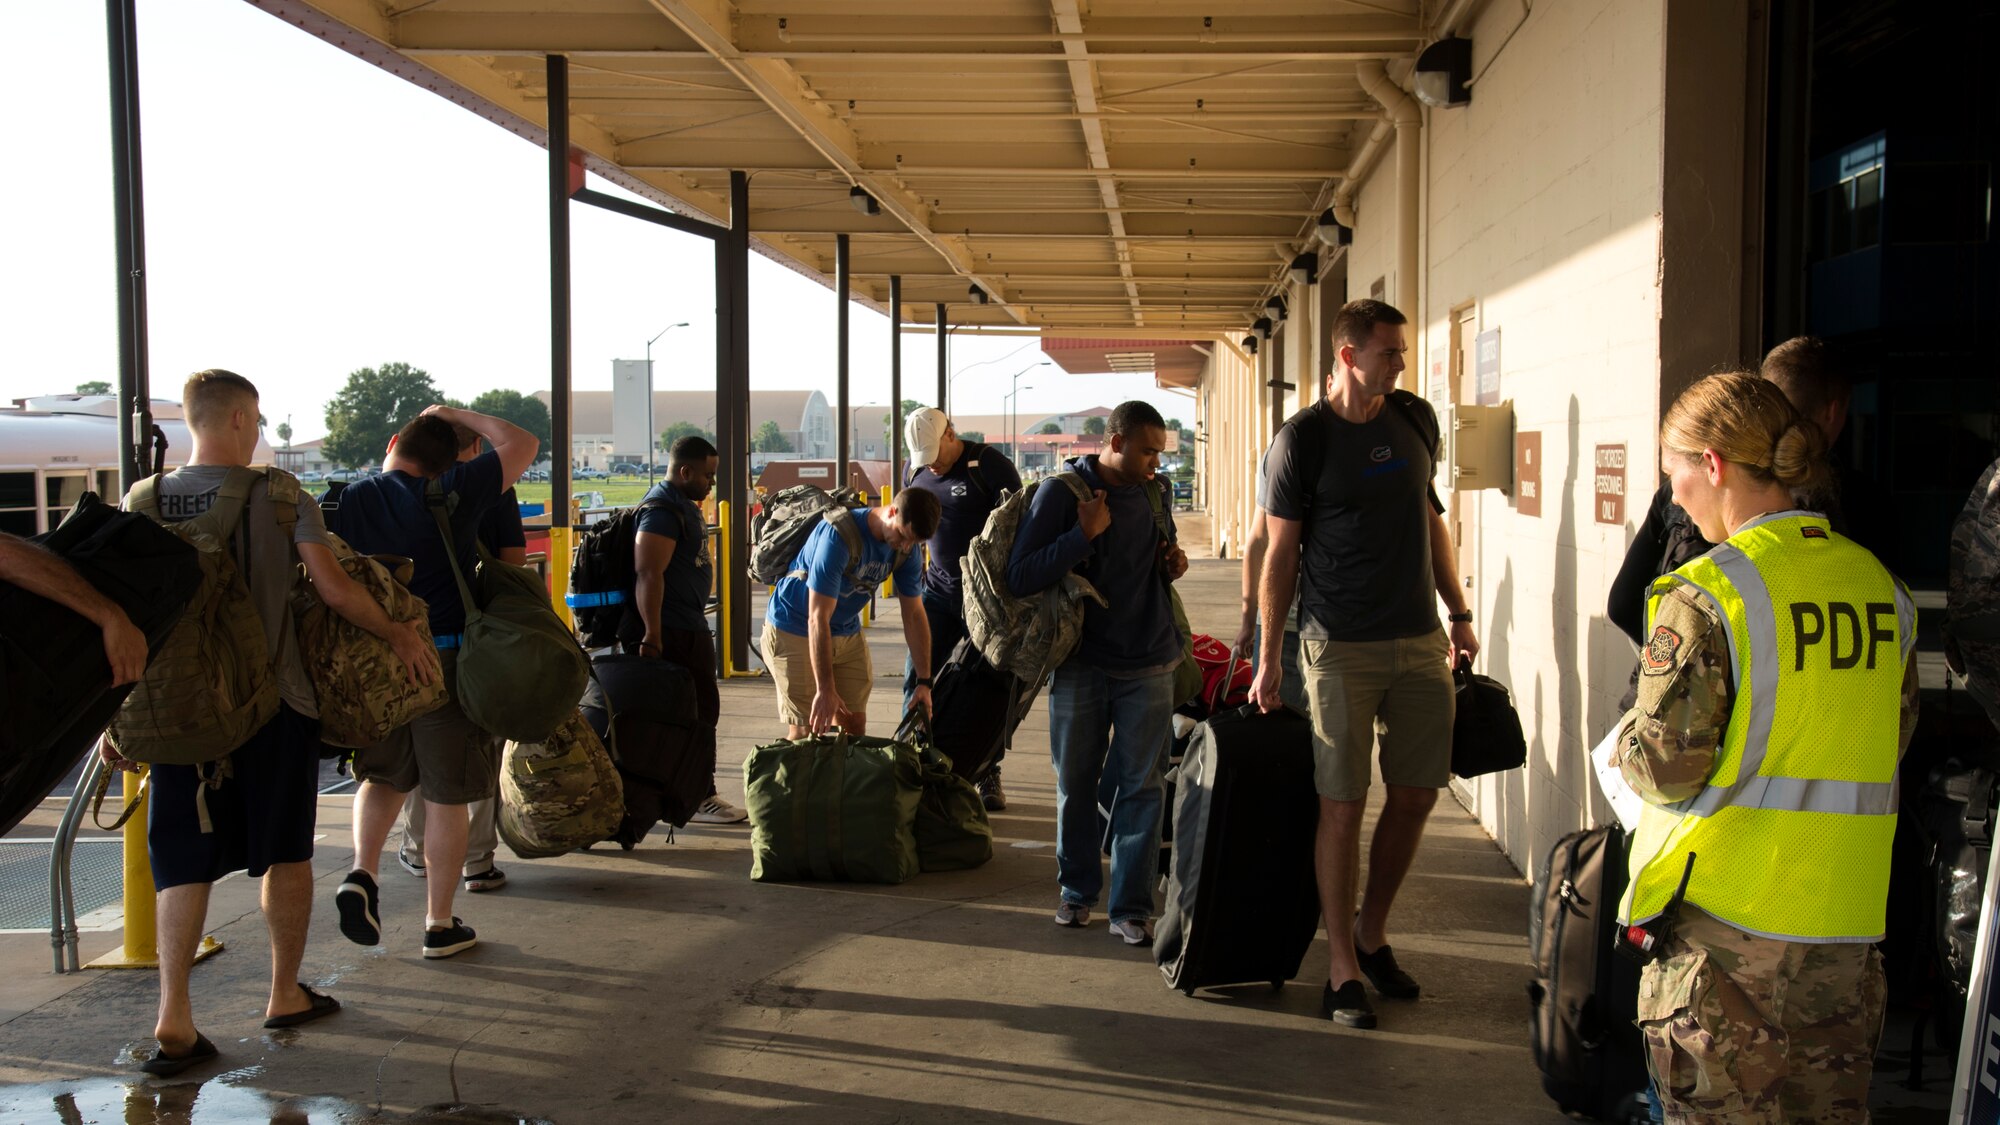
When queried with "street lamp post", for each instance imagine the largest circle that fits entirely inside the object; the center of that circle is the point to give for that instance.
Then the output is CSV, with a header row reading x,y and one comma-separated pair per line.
x,y
653,435
1014,417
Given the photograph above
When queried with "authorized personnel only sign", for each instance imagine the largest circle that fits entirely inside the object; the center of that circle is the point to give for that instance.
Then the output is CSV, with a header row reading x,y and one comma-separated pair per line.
x,y
1610,477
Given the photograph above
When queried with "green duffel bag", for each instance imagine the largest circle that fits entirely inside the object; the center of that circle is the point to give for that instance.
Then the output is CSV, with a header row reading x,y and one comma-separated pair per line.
x,y
952,830
520,671
560,795
835,808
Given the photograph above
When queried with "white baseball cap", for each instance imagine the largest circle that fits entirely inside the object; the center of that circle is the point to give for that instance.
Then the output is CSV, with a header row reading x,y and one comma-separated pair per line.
x,y
923,432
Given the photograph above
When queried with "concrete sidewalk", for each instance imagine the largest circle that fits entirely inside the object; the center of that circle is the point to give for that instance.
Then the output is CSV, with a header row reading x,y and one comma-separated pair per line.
x,y
663,984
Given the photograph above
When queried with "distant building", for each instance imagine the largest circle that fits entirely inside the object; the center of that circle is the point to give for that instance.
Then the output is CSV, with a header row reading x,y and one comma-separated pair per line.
x,y
805,418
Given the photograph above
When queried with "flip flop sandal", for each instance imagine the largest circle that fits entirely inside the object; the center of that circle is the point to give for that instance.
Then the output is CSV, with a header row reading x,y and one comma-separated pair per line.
x,y
162,1065
322,1005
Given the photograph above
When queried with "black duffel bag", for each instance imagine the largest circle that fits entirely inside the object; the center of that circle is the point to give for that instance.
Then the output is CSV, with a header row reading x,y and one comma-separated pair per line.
x,y
974,710
1486,735
53,673
644,709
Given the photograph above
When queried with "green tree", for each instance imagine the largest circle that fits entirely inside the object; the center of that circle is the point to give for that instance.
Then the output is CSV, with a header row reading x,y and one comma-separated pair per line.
x,y
889,424
368,411
1051,428
525,411
770,439
679,430
1094,424
94,387
285,433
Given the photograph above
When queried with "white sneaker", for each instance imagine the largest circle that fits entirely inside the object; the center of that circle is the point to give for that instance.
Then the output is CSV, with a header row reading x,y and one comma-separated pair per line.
x,y
1133,931
1072,914
715,810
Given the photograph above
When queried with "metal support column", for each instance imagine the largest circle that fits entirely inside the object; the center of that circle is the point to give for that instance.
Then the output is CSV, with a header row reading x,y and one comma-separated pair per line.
x,y
560,187
944,379
135,391
896,377
732,412
844,410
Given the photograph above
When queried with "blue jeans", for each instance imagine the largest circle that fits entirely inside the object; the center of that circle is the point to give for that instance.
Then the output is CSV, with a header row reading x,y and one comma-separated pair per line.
x,y
1116,732
947,629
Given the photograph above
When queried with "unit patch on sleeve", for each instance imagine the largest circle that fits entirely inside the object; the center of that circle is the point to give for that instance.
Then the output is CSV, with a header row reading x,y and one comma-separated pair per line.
x,y
1661,650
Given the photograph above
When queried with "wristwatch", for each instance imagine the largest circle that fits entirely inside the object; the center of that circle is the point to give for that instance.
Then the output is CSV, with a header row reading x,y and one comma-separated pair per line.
x,y
923,681
1460,618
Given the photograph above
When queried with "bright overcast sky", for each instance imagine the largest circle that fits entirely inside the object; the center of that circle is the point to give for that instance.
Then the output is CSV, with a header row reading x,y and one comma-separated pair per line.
x,y
308,214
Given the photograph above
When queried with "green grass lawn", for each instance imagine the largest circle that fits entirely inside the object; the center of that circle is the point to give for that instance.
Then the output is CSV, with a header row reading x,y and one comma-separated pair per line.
x,y
618,492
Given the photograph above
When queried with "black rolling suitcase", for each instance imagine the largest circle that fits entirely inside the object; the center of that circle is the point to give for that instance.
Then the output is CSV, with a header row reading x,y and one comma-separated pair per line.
x,y
644,710
1242,904
974,710
1584,996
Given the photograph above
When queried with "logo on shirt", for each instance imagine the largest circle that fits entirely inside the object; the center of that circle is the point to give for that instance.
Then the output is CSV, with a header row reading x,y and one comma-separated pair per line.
x,y
958,490
1661,650
1811,532
1380,453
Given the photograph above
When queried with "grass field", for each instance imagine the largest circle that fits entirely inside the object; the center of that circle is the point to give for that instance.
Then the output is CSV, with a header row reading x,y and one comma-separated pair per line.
x,y
618,492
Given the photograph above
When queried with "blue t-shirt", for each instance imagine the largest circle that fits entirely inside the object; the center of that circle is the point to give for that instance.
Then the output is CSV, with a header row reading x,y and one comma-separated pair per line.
x,y
824,560
967,494
502,526
387,515
684,601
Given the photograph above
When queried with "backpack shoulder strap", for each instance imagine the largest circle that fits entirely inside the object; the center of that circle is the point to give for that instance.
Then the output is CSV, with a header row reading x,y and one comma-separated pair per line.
x,y
1420,414
284,491
234,496
145,497
1077,485
850,536
436,500
977,471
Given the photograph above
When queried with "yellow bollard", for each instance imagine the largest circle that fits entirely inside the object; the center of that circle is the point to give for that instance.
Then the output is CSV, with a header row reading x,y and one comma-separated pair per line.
x,y
723,616
559,548
141,946
889,583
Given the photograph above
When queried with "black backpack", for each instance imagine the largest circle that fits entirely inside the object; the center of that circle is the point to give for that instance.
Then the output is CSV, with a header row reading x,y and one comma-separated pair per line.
x,y
1584,996
602,574
53,673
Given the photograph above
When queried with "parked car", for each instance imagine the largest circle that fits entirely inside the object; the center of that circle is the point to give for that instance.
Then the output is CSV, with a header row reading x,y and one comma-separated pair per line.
x,y
626,467
311,476
535,475
344,476
590,474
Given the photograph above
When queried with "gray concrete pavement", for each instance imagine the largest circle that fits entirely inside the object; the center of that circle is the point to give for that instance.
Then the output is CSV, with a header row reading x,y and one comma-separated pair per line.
x,y
662,983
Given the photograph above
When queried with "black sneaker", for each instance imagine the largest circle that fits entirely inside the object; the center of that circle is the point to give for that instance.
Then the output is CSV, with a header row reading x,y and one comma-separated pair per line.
x,y
456,938
1388,978
1347,1005
360,905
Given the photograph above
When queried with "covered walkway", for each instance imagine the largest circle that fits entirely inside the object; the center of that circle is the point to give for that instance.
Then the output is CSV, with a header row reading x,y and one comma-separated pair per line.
x,y
664,985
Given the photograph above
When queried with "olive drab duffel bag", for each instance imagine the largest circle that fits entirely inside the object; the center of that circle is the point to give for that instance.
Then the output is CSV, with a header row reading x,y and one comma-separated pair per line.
x,y
559,795
951,828
211,686
364,689
520,671
833,808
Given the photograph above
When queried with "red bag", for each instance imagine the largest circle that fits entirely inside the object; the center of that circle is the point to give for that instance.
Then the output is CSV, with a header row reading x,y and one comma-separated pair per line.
x,y
1213,657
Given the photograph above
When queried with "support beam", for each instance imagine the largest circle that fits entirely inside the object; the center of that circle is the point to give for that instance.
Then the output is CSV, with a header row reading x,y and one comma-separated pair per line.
x,y
843,410
1083,88
135,392
732,407
943,344
559,302
896,377
658,215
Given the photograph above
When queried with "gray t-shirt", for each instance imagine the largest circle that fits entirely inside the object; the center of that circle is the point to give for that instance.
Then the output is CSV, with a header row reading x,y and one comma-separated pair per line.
x,y
269,565
1263,495
1362,490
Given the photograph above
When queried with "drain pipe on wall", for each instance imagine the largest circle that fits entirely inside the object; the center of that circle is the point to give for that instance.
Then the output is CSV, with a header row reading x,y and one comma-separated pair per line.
x,y
1408,120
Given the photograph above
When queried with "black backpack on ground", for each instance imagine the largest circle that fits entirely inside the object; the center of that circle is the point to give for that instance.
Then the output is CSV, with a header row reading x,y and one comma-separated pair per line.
x,y
1486,730
602,574
644,710
53,673
1584,996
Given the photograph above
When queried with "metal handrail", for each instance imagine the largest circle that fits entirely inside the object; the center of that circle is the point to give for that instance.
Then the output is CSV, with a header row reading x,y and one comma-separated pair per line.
x,y
62,889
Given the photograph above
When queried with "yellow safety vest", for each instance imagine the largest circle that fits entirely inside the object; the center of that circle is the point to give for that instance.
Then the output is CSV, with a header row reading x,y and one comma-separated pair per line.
x,y
1792,833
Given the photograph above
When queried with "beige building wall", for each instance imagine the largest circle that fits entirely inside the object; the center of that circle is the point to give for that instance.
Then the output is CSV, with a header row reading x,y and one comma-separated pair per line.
x,y
1540,217
1234,428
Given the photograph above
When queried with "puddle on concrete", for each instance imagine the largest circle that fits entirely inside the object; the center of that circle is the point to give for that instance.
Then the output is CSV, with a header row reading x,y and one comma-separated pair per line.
x,y
219,1101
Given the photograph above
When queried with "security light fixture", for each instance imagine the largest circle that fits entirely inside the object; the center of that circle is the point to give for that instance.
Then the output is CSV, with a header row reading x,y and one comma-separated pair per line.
x,y
977,295
1329,231
1250,344
1276,307
1264,327
1305,269
1442,72
863,202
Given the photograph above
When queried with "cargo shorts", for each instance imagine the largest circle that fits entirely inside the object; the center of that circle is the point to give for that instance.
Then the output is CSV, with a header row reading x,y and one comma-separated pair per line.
x,y
1398,692
442,753
789,657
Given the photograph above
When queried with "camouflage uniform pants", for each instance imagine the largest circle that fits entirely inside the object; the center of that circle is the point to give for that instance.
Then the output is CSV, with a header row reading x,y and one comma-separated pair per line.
x,y
1745,1030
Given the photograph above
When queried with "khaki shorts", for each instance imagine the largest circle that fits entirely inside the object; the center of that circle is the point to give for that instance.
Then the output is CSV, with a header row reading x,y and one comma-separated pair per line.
x,y
1398,690
441,753
789,657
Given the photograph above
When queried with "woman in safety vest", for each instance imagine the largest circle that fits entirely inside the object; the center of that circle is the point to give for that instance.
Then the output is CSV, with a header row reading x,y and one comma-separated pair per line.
x,y
1777,693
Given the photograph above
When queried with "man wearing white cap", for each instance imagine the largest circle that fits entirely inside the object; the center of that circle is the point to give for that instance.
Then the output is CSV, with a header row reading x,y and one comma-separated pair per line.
x,y
967,477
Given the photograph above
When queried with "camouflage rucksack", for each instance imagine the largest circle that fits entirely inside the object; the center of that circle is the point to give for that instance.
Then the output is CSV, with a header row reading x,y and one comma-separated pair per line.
x,y
1027,636
780,531
364,688
559,795
1972,593
212,686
